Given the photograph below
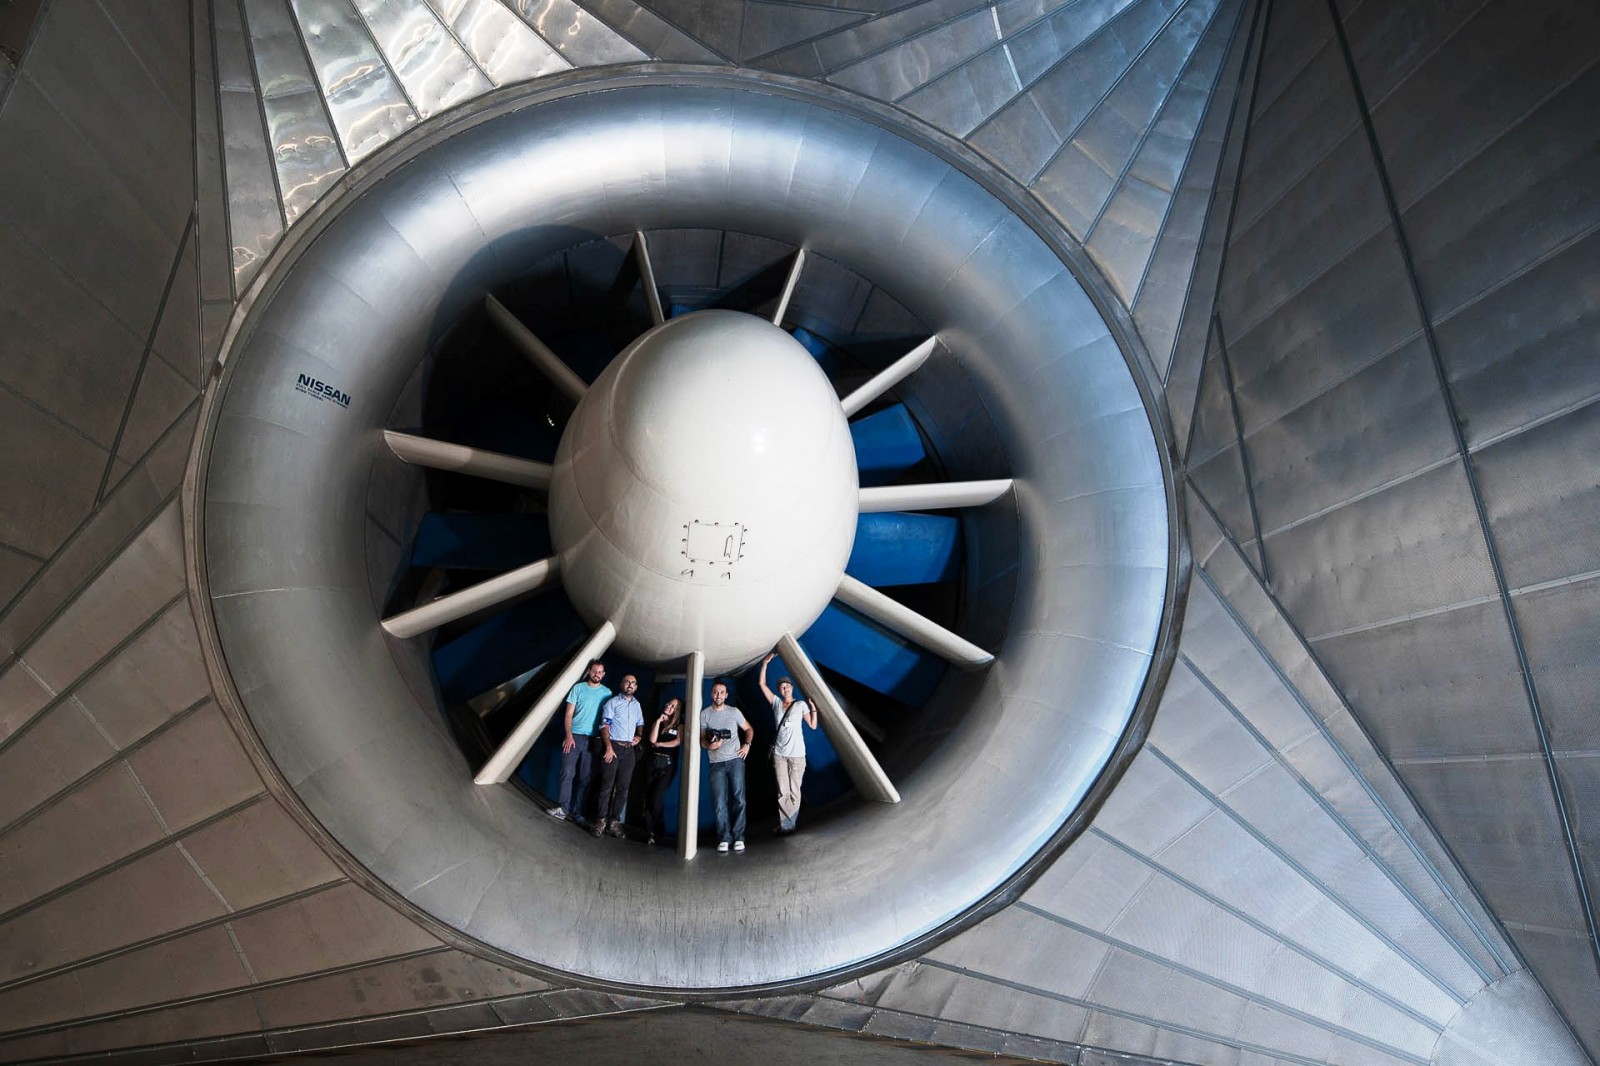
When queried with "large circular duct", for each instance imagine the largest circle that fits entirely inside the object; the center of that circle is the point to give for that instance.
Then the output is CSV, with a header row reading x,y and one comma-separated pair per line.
x,y
1071,580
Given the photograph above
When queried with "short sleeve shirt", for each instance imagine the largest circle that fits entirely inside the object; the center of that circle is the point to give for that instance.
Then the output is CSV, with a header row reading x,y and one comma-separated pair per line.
x,y
623,715
791,742
586,700
729,718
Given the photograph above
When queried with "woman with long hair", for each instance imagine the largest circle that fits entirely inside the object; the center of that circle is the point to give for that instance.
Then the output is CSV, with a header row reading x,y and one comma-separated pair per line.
x,y
665,741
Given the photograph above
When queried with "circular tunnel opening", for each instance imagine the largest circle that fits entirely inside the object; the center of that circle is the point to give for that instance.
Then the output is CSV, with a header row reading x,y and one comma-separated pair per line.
x,y
587,303
320,516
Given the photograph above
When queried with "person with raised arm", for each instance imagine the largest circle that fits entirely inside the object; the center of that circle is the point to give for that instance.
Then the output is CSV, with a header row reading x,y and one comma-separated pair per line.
x,y
789,753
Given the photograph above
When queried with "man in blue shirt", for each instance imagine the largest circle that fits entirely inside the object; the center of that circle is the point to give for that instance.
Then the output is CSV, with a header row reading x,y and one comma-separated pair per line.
x,y
580,747
621,724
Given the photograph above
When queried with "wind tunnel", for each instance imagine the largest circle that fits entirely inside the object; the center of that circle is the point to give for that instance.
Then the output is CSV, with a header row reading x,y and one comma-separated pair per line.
x,y
1070,579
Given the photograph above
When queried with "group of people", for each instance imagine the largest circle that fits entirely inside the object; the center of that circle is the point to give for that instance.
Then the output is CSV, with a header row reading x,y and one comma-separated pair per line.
x,y
607,730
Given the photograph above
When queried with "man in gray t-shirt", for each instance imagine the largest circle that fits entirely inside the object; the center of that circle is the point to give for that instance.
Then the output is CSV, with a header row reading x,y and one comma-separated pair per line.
x,y
727,755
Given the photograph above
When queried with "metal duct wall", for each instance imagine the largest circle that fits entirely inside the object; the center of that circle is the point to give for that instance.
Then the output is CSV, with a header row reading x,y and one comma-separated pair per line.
x,y
1397,419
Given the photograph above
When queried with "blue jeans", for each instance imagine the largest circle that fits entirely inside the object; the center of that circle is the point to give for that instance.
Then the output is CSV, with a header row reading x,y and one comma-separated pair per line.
x,y
725,776
577,771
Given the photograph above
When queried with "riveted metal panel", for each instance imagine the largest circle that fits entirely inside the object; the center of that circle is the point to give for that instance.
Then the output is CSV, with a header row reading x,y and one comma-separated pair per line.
x,y
1421,704
1380,542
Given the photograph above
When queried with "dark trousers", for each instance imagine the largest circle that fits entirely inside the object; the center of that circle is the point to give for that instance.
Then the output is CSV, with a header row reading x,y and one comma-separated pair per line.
x,y
615,777
728,777
577,772
656,782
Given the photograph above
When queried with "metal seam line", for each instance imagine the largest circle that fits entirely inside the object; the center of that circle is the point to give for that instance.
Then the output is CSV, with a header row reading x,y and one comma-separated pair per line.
x,y
1228,986
132,856
695,38
1252,55
316,84
1116,84
1053,1044
894,42
66,692
1243,58
1257,924
172,105
78,531
249,37
111,760
1294,864
222,160
1495,563
172,934
1023,93
224,993
1276,1054
1333,383
1244,454
1354,243
1296,178
1333,813
1201,41
1194,411
969,1030
1344,756
1244,148
24,552
389,70
865,17
1227,230
144,360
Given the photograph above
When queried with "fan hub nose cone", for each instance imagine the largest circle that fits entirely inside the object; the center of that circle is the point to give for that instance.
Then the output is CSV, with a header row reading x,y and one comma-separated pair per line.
x,y
705,493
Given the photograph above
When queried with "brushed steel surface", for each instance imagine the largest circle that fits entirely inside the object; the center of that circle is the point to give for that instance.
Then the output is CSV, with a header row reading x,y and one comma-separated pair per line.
x,y
1135,216
367,104
899,70
434,70
1036,350
305,151
504,47
581,38
255,218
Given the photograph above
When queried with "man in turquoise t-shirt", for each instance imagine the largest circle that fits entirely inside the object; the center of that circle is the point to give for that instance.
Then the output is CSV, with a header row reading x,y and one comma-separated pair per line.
x,y
580,748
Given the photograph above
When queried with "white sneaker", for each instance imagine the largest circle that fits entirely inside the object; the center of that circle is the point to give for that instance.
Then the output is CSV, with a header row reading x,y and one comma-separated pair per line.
x,y
738,845
723,847
559,814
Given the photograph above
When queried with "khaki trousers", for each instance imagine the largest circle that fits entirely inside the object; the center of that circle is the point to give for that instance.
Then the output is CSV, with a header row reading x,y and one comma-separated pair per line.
x,y
789,772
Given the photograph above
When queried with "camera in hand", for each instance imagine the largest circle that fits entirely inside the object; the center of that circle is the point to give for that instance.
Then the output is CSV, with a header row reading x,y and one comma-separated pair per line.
x,y
719,734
